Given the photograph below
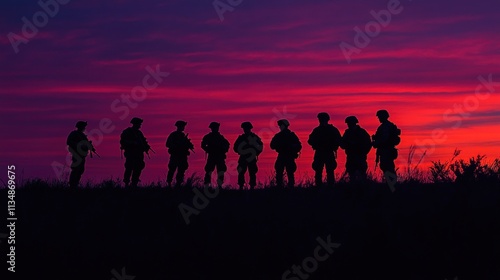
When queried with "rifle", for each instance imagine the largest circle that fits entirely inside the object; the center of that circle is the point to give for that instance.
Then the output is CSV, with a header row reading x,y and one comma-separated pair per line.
x,y
377,160
150,149
189,140
94,151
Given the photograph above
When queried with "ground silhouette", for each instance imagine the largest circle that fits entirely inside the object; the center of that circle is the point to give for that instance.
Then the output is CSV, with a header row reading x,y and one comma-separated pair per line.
x,y
421,231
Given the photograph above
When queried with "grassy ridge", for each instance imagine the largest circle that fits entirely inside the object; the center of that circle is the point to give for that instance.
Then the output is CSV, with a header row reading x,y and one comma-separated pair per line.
x,y
422,231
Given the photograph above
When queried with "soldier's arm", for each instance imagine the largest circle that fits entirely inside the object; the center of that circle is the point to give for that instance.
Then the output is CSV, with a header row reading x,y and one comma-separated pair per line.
x,y
236,144
298,143
227,145
338,139
343,141
167,143
259,145
310,140
273,143
204,144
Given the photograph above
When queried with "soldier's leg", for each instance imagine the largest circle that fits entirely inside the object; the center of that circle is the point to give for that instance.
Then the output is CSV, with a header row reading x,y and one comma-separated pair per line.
x,y
172,166
242,168
291,167
181,170
221,169
77,169
317,166
330,166
279,166
363,168
387,166
252,171
128,170
209,168
350,168
136,171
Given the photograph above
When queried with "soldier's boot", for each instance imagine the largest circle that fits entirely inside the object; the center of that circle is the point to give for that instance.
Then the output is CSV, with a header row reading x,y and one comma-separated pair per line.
x,y
170,176
208,179
134,183
291,181
126,177
74,179
330,178
220,179
253,181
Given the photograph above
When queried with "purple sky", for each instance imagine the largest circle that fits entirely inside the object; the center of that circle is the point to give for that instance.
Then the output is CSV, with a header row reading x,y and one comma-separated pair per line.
x,y
265,60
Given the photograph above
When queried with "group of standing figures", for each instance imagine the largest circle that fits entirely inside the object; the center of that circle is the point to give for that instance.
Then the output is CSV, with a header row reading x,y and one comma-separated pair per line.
x,y
324,139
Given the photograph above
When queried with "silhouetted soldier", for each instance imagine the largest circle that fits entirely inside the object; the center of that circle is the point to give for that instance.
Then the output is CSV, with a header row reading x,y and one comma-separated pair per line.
x,y
178,145
79,146
325,140
385,140
357,144
133,142
288,146
249,146
216,146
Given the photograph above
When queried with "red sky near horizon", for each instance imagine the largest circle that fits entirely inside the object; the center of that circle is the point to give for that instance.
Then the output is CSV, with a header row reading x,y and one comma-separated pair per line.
x,y
434,67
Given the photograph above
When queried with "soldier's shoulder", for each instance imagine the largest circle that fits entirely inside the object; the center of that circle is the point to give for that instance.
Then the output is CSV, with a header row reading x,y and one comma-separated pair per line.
x,y
254,135
127,130
172,133
73,133
333,128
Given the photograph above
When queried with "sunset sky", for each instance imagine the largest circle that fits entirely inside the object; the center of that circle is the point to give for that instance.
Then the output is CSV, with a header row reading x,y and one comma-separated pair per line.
x,y
435,66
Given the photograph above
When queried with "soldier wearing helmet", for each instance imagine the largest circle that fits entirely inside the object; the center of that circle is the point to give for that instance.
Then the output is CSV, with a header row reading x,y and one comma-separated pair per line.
x,y
134,144
385,140
79,146
357,144
216,146
325,141
248,146
178,145
288,146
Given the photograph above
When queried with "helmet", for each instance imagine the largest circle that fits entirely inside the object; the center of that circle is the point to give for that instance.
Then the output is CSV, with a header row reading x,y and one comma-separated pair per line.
x,y
214,125
351,119
180,123
382,114
136,120
324,116
246,125
81,124
284,122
